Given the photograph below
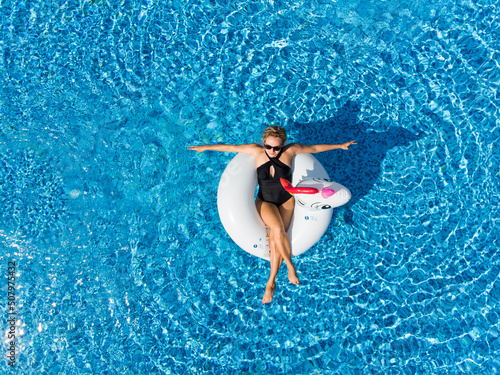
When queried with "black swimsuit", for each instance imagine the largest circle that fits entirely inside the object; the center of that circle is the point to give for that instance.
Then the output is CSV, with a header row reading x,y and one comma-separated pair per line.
x,y
270,188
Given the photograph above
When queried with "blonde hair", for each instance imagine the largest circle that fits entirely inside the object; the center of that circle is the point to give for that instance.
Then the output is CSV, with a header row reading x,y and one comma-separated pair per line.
x,y
275,131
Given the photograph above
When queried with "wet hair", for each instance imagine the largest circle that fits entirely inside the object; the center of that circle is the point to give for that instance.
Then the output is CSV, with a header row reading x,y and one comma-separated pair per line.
x,y
275,131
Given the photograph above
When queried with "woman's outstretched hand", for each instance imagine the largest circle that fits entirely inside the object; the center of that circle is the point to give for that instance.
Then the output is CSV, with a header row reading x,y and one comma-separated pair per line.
x,y
345,146
197,148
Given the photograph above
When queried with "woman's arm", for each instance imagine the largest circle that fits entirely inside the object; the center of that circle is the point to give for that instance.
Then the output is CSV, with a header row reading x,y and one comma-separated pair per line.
x,y
250,149
314,149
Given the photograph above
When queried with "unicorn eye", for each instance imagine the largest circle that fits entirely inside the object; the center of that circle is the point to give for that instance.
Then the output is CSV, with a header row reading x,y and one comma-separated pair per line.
x,y
320,206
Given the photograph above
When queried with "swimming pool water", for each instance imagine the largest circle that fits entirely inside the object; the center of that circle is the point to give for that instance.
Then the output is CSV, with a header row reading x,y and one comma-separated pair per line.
x,y
122,263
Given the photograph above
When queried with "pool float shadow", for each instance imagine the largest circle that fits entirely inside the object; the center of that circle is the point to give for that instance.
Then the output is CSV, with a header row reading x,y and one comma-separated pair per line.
x,y
359,168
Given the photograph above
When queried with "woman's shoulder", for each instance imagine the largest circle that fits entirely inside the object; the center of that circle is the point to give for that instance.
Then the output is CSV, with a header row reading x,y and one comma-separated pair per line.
x,y
291,148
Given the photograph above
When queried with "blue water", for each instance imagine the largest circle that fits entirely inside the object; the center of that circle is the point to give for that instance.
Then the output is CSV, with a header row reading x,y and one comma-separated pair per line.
x,y
122,263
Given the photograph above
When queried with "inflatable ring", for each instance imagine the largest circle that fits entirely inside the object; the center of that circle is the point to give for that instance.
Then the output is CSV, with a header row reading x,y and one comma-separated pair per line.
x,y
312,213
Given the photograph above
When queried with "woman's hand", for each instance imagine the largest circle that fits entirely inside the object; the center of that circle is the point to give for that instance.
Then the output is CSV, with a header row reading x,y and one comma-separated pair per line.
x,y
345,146
197,148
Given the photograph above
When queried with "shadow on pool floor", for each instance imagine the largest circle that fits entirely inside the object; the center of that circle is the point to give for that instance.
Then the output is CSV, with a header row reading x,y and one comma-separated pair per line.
x,y
360,169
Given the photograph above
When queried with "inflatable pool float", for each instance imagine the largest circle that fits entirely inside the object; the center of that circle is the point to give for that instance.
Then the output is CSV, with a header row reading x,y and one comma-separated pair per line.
x,y
313,204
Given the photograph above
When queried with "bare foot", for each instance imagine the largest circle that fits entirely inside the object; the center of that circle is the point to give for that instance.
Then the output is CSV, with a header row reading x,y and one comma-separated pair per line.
x,y
269,293
292,275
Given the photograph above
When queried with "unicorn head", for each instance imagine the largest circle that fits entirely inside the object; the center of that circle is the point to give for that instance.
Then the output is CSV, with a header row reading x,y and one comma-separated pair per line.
x,y
318,193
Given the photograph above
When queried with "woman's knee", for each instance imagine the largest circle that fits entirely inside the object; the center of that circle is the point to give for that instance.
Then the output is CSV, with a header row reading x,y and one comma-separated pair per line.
x,y
277,230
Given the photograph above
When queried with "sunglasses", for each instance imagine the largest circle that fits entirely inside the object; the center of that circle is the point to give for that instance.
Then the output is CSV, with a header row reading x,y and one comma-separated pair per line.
x,y
277,148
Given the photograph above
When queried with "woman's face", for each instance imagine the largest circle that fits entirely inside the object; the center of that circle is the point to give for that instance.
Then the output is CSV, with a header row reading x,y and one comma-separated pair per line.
x,y
273,146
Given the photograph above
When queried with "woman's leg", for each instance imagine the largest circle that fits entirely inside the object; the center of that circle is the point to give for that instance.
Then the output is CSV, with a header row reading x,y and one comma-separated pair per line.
x,y
278,220
286,212
276,259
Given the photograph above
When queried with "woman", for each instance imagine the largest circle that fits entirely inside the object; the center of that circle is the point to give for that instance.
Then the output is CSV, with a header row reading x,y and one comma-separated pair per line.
x,y
274,204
